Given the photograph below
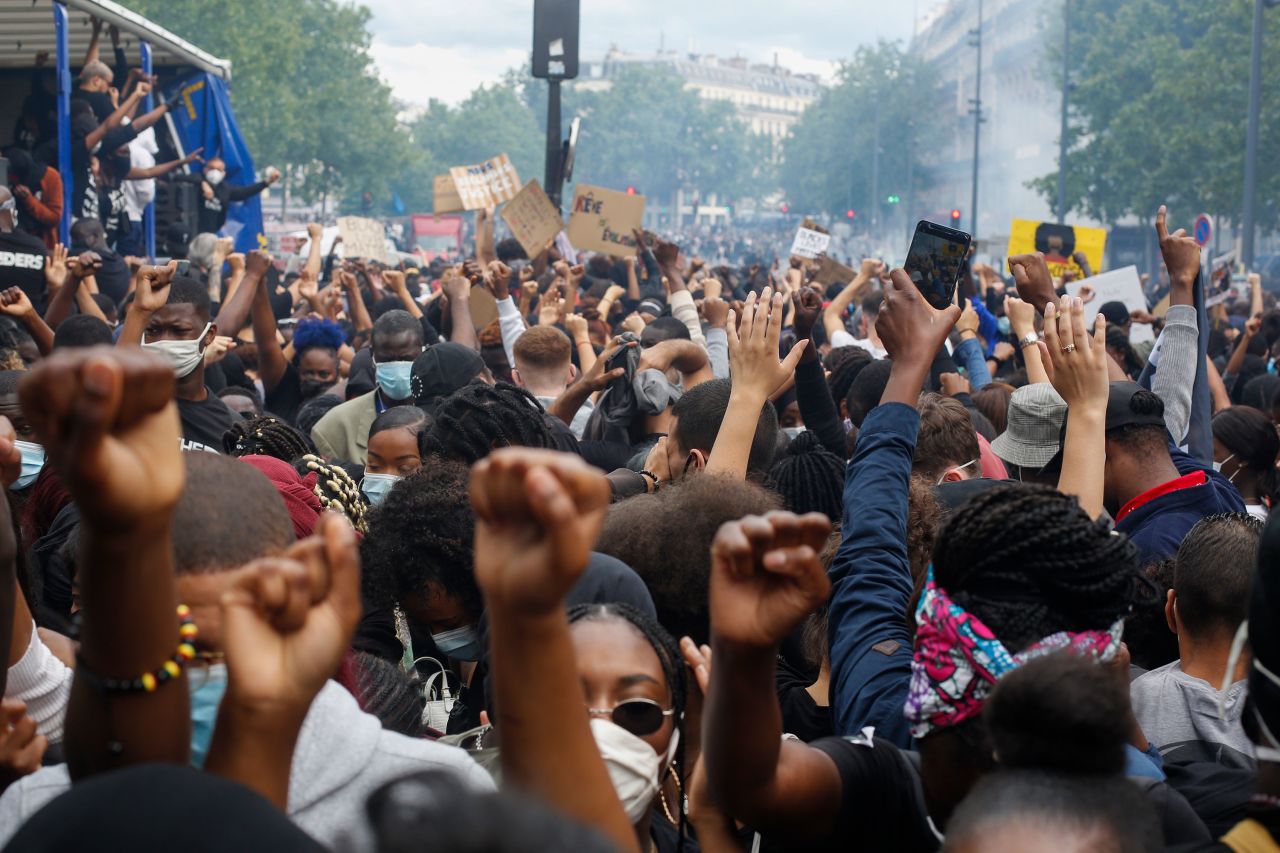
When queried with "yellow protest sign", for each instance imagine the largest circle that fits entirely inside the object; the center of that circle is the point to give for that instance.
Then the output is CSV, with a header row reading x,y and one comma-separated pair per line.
x,y
485,185
1058,243
444,195
534,221
602,220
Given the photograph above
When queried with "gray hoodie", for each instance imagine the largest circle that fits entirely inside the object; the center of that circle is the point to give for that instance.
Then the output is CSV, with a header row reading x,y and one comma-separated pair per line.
x,y
1179,714
342,755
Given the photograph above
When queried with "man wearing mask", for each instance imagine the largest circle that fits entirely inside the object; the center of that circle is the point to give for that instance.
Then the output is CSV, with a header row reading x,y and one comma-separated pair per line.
x,y
216,195
171,316
21,254
343,433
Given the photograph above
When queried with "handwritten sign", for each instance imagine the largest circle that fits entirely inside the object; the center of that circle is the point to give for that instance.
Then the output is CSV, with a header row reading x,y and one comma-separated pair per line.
x,y
602,220
833,272
1059,243
532,218
809,243
1122,285
444,195
485,185
362,238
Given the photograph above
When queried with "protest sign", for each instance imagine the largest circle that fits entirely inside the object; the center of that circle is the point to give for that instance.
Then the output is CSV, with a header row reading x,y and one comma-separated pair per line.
x,y
484,308
532,218
485,185
1059,243
602,220
362,238
809,243
833,272
444,195
1122,285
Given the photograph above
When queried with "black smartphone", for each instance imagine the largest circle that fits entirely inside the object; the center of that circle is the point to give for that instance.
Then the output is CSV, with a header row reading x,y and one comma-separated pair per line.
x,y
184,267
935,260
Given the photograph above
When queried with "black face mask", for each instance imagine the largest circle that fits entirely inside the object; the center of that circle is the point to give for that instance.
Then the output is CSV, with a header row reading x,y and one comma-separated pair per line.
x,y
313,387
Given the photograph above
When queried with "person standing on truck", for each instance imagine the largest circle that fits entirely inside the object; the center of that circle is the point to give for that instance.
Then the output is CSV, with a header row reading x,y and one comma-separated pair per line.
x,y
216,195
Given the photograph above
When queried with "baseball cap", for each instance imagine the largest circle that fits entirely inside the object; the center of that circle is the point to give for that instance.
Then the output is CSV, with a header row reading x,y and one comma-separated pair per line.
x,y
1032,437
1117,313
441,370
1120,410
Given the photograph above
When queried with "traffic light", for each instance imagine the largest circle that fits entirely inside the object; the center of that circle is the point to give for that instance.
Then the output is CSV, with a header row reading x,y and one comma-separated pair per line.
x,y
955,216
786,208
893,199
851,214
631,190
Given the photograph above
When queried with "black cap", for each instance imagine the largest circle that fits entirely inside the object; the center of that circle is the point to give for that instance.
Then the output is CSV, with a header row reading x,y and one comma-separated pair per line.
x,y
442,369
1120,408
1117,313
1264,634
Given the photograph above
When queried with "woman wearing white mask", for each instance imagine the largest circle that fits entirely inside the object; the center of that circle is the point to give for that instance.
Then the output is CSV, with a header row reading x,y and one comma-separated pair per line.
x,y
395,450
1245,447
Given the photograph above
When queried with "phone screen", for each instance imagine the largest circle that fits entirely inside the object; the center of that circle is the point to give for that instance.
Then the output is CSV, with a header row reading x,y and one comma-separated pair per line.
x,y
934,261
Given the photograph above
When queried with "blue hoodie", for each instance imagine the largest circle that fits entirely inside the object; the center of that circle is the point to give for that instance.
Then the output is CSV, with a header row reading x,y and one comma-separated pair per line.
x,y
1159,526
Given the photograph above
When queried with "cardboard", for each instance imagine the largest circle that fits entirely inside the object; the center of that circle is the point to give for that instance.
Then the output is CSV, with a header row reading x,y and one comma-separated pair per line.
x,y
602,220
1059,243
809,243
362,238
484,308
1122,285
444,195
833,272
486,185
532,218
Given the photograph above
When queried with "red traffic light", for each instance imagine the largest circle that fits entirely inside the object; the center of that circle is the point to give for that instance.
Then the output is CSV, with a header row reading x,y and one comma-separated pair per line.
x,y
851,214
955,214
786,208
631,190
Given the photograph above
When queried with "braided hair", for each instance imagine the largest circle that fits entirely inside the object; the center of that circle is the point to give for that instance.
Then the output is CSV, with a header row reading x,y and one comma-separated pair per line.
x,y
809,478
845,363
335,489
384,690
478,418
673,670
266,435
1029,562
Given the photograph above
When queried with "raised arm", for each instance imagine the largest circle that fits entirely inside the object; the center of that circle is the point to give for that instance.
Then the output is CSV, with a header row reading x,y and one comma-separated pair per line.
x,y
233,312
15,303
833,316
1080,377
396,281
463,330
538,515
355,302
113,425
272,364
136,174
151,292
64,281
1180,338
812,392
1022,319
485,253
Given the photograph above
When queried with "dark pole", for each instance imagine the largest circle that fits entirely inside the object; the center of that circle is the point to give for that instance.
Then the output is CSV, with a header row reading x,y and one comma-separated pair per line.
x,y
977,126
1251,139
554,145
875,173
1062,134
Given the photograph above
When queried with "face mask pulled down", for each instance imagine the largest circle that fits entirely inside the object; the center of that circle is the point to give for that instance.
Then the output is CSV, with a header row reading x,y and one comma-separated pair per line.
x,y
634,768
183,356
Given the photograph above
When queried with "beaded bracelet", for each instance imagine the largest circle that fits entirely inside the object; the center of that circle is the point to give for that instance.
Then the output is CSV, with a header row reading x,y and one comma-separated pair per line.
x,y
149,681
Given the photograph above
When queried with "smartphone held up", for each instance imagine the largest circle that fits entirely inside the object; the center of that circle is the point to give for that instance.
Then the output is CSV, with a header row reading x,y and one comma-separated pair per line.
x,y
935,261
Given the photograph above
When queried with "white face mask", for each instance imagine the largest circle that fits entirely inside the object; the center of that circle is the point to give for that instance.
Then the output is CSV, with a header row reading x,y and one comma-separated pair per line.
x,y
183,356
214,176
634,768
1260,751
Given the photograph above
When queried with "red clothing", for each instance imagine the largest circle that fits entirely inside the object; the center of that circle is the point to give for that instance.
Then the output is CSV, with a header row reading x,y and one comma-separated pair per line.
x,y
47,210
1187,481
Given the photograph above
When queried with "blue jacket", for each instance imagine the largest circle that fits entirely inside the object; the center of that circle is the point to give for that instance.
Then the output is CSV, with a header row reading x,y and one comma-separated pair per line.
x,y
870,647
1159,526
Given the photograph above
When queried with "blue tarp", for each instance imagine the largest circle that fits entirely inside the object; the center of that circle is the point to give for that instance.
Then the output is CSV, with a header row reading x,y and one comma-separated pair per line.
x,y
205,120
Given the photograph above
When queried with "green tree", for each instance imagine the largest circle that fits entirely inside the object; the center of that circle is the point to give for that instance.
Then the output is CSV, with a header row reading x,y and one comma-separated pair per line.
x,y
1159,99
827,160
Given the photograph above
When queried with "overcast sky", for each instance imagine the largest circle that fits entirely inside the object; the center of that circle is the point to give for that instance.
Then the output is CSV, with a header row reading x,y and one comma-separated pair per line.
x,y
435,49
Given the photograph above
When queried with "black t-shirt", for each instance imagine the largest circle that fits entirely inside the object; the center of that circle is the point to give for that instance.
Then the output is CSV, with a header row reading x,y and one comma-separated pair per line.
x,y
285,399
113,278
22,265
205,422
801,715
881,802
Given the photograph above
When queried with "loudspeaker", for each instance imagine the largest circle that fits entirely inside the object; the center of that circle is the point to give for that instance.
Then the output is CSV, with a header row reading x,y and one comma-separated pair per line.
x,y
176,202
555,39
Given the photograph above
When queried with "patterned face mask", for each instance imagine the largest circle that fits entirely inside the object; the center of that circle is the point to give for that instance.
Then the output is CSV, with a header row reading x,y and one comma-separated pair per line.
x,y
958,660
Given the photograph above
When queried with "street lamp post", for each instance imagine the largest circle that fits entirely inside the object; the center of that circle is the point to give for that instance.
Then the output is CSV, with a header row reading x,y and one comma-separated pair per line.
x,y
977,124
1062,134
1251,135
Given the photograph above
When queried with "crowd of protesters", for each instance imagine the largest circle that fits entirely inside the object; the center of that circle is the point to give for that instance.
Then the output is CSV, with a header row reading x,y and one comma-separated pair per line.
x,y
681,550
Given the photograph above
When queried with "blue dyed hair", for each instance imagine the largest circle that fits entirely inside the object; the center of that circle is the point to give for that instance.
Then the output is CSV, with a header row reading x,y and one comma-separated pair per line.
x,y
317,333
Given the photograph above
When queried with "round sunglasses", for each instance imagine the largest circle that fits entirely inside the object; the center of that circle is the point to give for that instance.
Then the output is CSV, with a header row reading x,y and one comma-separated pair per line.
x,y
639,716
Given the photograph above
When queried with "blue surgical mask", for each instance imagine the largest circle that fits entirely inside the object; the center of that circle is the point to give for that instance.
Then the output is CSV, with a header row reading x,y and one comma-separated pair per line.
x,y
1004,325
394,379
207,687
376,486
32,462
459,644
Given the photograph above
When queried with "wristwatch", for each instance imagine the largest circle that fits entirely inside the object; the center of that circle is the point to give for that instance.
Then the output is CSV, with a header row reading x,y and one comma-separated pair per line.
x,y
1030,339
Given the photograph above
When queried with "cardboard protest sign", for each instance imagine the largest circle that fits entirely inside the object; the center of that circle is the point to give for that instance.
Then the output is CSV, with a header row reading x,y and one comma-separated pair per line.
x,y
602,220
444,195
1120,285
485,185
1059,243
833,272
532,218
362,238
809,243
484,308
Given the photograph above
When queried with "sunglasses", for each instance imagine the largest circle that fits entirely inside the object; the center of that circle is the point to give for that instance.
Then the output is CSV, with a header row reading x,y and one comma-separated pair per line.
x,y
639,716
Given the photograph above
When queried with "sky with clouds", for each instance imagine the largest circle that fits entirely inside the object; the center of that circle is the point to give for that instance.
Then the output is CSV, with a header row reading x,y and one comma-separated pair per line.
x,y
436,49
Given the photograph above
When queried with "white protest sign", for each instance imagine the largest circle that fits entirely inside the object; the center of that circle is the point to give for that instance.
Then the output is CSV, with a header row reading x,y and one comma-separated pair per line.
x,y
1122,285
362,238
810,244
485,185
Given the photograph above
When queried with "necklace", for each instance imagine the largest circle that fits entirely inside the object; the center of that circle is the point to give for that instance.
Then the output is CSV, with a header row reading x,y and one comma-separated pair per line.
x,y
662,797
